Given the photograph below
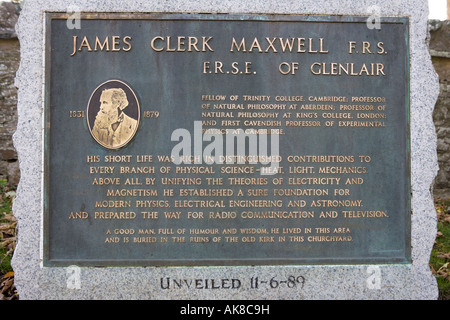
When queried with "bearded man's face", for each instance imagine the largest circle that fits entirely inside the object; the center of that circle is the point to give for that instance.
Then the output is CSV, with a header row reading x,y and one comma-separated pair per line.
x,y
108,112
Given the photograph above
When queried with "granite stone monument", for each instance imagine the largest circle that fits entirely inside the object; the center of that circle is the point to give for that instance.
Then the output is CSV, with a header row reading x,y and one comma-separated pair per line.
x,y
225,150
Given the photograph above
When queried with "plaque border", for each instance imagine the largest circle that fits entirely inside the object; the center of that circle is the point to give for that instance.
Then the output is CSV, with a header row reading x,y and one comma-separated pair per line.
x,y
315,18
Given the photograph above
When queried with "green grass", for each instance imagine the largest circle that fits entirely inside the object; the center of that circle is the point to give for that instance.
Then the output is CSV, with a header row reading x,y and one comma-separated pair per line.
x,y
440,256
5,259
5,201
7,227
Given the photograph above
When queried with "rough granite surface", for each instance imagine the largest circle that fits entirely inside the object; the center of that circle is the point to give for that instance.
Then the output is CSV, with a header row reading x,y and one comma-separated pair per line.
x,y
412,281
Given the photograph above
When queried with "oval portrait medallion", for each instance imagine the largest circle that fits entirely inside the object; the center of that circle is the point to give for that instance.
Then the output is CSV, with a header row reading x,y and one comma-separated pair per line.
x,y
113,114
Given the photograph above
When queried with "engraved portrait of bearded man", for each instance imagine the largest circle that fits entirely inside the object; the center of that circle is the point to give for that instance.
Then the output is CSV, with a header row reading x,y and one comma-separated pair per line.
x,y
113,127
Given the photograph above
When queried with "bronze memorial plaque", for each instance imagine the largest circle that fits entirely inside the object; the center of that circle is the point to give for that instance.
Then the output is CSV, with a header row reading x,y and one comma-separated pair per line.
x,y
210,139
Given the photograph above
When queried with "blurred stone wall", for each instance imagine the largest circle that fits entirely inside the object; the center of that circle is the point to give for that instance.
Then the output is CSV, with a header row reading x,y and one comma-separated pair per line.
x,y
9,62
440,54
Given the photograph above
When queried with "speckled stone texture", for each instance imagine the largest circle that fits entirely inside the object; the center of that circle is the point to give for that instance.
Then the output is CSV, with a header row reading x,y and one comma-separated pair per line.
x,y
413,281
